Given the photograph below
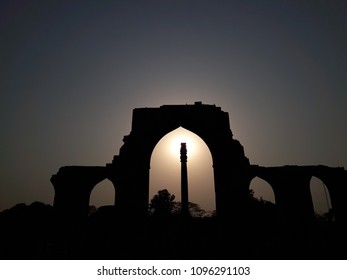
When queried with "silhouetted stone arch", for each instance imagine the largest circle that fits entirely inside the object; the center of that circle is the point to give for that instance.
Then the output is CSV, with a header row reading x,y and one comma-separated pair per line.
x,y
73,186
149,125
291,186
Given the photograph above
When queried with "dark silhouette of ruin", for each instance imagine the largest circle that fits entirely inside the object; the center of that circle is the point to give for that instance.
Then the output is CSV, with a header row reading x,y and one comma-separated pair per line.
x,y
129,172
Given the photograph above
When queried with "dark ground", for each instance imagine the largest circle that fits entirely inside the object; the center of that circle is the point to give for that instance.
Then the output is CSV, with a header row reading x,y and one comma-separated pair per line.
x,y
34,232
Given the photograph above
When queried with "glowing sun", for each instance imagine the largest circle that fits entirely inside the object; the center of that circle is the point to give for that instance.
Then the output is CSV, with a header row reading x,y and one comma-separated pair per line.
x,y
178,136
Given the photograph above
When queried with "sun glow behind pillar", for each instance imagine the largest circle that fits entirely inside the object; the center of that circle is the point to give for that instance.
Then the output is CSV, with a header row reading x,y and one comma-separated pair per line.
x,y
179,136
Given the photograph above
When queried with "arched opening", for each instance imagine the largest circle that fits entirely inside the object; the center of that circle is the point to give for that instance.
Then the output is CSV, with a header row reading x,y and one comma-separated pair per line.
x,y
320,198
165,168
263,213
103,194
262,190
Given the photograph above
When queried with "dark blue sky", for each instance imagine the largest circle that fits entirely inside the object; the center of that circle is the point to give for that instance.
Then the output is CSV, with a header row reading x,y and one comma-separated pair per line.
x,y
72,71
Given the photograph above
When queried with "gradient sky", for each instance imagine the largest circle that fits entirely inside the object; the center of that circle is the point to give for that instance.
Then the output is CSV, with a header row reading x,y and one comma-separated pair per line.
x,y
72,72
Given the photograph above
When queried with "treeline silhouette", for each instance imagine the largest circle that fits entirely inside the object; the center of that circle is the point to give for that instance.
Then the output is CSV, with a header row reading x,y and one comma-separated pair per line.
x,y
26,231
36,231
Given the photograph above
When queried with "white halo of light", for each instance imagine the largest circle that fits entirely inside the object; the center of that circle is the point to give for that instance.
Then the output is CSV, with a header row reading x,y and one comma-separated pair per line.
x,y
179,137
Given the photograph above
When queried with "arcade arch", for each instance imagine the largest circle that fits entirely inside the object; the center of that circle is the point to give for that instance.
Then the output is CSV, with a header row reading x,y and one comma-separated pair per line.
x,y
262,190
320,196
102,194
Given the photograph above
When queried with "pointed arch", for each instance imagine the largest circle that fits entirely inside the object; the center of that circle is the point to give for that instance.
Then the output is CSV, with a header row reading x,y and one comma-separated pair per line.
x,y
165,168
262,189
149,125
320,196
102,194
